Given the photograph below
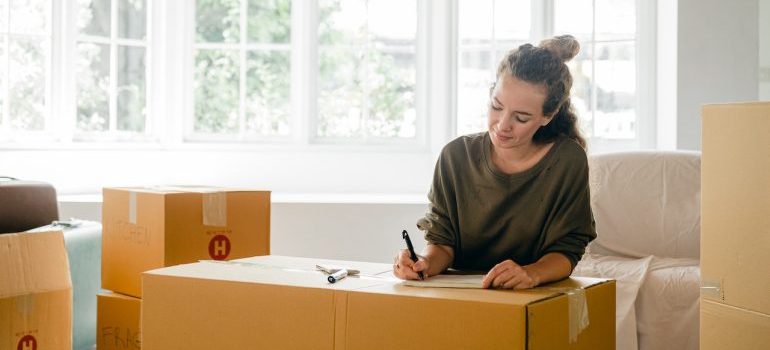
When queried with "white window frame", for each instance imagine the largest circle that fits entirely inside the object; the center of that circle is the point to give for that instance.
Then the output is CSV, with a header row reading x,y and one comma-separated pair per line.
x,y
6,133
242,47
71,39
334,168
304,78
542,26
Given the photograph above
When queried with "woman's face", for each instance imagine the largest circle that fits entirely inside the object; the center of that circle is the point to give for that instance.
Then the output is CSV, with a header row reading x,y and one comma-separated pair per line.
x,y
515,112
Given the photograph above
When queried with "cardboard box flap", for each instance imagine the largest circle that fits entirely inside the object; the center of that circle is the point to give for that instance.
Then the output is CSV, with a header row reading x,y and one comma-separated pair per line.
x,y
170,189
235,271
214,200
726,327
33,262
509,297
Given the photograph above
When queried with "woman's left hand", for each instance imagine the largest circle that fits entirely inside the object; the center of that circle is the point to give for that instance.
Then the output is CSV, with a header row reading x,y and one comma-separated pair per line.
x,y
510,275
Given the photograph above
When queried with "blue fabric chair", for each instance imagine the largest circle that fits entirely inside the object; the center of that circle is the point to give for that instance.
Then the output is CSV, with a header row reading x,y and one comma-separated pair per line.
x,y
83,240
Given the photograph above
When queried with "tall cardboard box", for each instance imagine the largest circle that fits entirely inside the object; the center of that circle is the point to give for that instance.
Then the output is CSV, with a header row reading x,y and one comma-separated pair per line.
x,y
273,302
148,228
735,225
35,292
118,320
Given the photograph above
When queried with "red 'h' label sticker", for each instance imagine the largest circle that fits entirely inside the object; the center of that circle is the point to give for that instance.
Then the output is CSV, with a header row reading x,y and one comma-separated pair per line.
x,y
27,342
219,247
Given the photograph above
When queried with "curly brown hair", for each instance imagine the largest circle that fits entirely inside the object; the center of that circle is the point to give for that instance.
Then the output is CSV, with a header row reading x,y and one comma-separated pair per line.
x,y
545,65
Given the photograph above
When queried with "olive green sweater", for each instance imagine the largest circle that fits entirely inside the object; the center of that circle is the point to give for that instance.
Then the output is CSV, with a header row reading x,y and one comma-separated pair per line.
x,y
488,216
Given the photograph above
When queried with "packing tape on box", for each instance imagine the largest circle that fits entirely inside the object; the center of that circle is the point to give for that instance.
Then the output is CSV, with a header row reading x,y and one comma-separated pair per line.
x,y
712,289
132,207
214,205
215,209
578,309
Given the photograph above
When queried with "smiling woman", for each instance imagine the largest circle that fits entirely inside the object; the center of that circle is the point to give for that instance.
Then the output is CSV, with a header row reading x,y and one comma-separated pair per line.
x,y
514,200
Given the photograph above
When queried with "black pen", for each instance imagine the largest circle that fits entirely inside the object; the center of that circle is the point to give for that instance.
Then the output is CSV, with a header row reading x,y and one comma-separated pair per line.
x,y
412,255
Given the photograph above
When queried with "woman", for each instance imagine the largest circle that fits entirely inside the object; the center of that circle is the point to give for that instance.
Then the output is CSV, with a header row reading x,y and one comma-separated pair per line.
x,y
514,200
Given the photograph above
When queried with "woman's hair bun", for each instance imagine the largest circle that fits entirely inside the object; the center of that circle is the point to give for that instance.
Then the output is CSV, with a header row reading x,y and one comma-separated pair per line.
x,y
564,47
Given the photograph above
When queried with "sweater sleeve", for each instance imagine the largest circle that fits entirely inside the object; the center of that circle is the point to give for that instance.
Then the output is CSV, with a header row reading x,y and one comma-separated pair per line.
x,y
572,224
437,224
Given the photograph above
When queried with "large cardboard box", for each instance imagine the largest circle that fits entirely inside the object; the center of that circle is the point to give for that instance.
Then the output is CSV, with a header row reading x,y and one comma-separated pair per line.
x,y
35,292
148,228
727,327
735,205
118,320
273,302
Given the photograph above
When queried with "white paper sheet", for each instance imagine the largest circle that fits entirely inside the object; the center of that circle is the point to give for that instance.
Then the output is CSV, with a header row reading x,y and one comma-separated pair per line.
x,y
448,281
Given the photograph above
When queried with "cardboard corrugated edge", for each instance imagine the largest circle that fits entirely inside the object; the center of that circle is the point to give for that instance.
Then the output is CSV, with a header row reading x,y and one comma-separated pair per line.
x,y
600,297
120,238
36,276
118,321
734,169
45,268
727,327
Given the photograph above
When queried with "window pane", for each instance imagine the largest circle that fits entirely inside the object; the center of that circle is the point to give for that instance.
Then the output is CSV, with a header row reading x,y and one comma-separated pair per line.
x,y
392,22
29,16
581,68
26,90
475,75
340,93
392,110
267,100
218,21
574,17
131,89
615,91
615,19
512,19
269,21
341,21
3,82
94,17
3,16
216,91
132,19
475,24
93,76
367,69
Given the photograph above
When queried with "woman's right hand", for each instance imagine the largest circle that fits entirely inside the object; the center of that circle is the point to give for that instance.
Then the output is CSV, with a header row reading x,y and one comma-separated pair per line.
x,y
406,269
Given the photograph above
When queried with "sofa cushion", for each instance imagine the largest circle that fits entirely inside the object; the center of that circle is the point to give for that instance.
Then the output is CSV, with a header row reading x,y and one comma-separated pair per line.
x,y
667,308
646,203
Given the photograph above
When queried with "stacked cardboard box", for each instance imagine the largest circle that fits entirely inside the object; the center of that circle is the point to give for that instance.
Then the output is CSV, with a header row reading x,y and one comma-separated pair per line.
x,y
35,293
735,227
274,302
148,228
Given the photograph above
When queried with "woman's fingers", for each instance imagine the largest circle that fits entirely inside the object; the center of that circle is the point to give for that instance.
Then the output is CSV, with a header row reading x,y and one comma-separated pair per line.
x,y
508,275
499,274
405,268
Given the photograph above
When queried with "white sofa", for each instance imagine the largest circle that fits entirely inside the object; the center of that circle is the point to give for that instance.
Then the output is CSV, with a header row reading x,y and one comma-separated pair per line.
x,y
647,211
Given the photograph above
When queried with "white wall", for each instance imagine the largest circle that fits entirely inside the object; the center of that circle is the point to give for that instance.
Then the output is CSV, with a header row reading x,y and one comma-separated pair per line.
x,y
717,60
764,50
87,171
346,227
